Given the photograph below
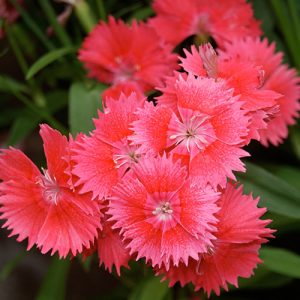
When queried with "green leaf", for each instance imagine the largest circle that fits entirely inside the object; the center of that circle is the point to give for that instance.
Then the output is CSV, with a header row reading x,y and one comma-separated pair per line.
x,y
281,261
34,27
295,140
28,120
54,284
276,194
83,105
58,28
263,13
22,126
142,13
263,278
11,265
288,174
47,59
151,289
283,224
9,85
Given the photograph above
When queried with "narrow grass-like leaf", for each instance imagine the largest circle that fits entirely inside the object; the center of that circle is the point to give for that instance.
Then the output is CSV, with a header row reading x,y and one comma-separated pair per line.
x,y
276,194
85,15
281,261
264,278
287,29
11,265
142,13
8,85
154,289
28,120
47,59
35,28
288,174
101,9
54,284
57,27
150,289
295,140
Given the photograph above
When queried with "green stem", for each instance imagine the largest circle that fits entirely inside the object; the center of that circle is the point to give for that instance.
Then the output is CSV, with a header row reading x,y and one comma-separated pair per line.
x,y
59,30
286,28
85,15
46,116
33,26
101,9
16,49
295,19
38,95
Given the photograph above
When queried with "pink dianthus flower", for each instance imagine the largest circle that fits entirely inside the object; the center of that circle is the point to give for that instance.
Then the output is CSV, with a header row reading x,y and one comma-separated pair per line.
x,y
235,251
208,128
104,157
223,20
244,76
117,52
44,207
278,77
163,215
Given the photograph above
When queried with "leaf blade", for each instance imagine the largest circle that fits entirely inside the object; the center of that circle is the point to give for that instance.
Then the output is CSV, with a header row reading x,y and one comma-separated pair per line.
x,y
83,105
276,194
47,59
281,261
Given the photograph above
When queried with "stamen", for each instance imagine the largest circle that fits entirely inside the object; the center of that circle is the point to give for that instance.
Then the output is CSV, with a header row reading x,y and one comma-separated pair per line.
x,y
49,186
128,156
163,211
195,131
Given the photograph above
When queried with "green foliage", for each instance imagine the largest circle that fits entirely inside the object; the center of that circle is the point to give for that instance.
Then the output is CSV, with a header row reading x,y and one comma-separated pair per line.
x,y
150,289
281,261
6,270
276,194
47,59
83,104
54,284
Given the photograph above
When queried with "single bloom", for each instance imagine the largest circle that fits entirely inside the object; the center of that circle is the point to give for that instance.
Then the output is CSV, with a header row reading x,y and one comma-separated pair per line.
x,y
244,76
162,215
45,207
278,77
223,20
104,157
116,52
235,251
207,129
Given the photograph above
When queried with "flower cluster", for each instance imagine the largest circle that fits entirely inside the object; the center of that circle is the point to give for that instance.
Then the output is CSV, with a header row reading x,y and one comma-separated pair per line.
x,y
154,180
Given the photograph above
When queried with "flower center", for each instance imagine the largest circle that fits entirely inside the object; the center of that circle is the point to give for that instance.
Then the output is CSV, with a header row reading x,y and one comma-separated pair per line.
x,y
49,186
193,134
163,211
124,69
125,156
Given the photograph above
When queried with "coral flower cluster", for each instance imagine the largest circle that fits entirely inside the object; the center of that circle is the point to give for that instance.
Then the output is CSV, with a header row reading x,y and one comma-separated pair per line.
x,y
155,178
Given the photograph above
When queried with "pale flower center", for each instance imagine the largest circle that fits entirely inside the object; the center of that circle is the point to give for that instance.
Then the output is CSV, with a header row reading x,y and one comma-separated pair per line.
x,y
193,133
163,211
49,187
125,69
127,157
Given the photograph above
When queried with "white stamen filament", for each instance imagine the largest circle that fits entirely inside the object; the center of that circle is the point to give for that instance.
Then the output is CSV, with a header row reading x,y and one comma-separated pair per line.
x,y
49,186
